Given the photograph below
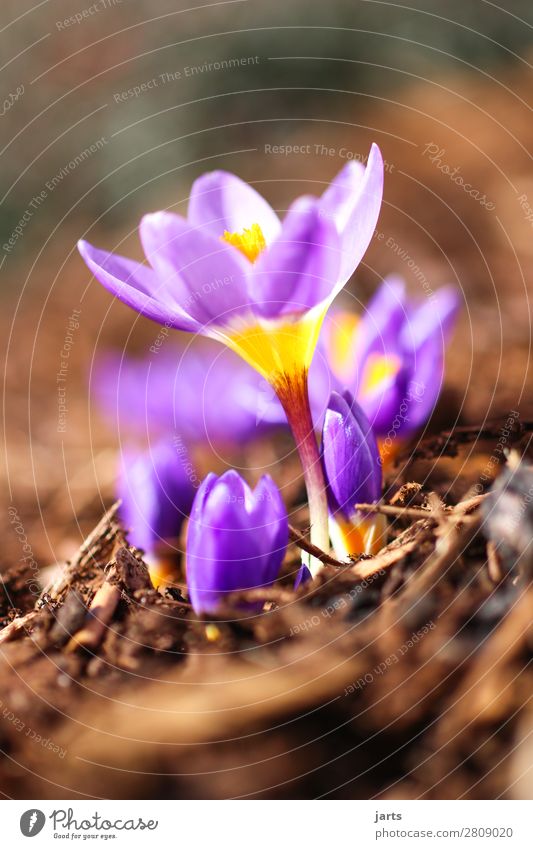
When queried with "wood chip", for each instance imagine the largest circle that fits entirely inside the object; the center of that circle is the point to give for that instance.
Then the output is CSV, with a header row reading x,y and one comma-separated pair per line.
x,y
101,612
18,627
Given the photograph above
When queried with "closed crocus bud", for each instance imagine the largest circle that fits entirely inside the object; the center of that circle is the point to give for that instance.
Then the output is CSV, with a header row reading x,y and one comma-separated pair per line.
x,y
353,472
157,492
236,538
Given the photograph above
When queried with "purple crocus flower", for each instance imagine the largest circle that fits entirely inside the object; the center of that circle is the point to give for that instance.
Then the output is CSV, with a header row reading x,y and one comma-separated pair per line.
x,y
157,493
401,351
353,471
236,538
234,272
391,359
204,394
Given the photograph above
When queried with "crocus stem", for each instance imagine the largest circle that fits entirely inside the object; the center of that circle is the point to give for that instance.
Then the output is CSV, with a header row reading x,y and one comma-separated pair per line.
x,y
294,398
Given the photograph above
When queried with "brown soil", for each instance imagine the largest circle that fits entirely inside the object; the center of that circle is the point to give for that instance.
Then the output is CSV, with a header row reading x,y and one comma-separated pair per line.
x,y
404,675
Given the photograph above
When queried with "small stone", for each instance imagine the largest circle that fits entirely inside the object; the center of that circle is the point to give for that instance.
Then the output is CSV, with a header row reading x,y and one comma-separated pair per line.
x,y
508,517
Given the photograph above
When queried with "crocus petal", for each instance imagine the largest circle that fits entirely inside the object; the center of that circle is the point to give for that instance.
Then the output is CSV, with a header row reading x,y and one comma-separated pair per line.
x,y
235,402
207,277
435,317
340,197
269,517
300,269
137,395
350,456
156,495
205,393
384,402
425,383
201,497
236,491
220,201
370,455
221,553
383,320
302,576
232,544
136,285
357,226
423,338
322,382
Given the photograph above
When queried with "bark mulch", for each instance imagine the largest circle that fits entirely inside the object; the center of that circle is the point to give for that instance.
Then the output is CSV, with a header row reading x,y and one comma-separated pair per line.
x,y
403,675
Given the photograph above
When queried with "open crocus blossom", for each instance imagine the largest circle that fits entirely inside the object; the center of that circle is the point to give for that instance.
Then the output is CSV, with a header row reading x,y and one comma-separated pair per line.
x,y
236,538
156,494
233,271
353,471
391,359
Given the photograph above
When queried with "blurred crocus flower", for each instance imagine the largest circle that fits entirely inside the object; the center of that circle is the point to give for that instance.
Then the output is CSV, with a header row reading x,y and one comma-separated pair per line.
x,y
353,471
157,491
234,272
391,359
204,394
236,538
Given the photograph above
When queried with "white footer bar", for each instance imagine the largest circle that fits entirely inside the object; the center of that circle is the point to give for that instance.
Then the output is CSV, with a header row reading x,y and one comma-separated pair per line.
x,y
268,824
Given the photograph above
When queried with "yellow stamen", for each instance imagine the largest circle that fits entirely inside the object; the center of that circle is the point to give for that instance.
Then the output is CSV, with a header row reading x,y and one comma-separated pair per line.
x,y
367,535
378,369
250,242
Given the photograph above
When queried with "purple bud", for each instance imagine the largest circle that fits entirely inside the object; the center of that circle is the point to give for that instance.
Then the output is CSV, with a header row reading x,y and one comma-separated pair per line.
x,y
236,538
157,492
350,456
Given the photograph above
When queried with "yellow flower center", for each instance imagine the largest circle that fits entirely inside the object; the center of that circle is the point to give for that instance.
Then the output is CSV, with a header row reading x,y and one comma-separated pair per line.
x,y
378,369
279,349
367,535
250,242
341,344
